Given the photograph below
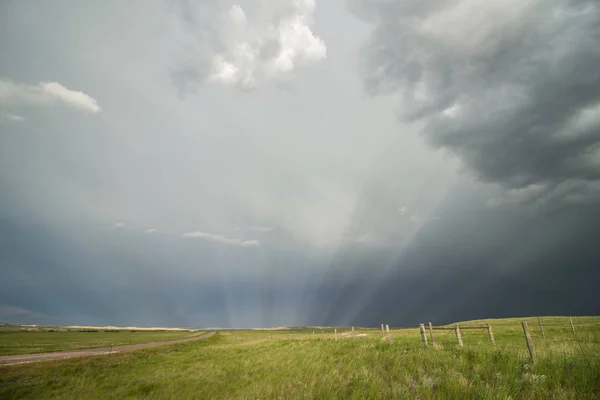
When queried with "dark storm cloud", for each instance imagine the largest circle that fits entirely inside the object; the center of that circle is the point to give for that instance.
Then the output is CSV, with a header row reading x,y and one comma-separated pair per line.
x,y
357,222
119,277
512,88
544,268
474,262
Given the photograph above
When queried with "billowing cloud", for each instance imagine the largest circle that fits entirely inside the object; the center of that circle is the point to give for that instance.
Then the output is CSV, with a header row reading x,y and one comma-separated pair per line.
x,y
327,168
44,94
212,237
519,106
247,50
546,197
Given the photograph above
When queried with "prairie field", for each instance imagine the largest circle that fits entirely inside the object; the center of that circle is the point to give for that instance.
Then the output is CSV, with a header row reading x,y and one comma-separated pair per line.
x,y
316,363
14,342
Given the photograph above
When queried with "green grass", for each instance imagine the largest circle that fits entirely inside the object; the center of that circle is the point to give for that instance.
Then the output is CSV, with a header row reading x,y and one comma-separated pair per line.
x,y
292,364
14,342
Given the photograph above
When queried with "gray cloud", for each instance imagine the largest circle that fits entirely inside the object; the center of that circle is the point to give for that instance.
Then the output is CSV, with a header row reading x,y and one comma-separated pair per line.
x,y
511,87
11,313
260,229
357,223
10,117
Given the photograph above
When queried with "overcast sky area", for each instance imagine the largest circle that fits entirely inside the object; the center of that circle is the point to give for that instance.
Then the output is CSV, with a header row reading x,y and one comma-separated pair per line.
x,y
258,163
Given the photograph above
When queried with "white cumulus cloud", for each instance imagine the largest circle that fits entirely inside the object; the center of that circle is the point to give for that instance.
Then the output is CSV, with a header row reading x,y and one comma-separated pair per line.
x,y
253,48
44,94
73,98
212,237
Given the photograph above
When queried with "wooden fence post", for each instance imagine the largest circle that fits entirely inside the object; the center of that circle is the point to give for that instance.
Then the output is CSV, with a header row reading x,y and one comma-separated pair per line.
x,y
423,334
353,334
529,341
335,330
431,334
382,332
572,326
541,327
387,327
458,335
491,334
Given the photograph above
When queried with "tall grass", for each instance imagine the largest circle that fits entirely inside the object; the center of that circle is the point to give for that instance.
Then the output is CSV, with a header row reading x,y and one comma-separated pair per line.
x,y
14,342
294,365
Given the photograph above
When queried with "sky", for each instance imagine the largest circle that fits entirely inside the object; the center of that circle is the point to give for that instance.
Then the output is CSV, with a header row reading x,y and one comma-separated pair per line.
x,y
260,163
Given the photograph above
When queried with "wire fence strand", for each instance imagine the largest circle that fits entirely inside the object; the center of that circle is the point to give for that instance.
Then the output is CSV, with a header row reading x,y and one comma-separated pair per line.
x,y
565,339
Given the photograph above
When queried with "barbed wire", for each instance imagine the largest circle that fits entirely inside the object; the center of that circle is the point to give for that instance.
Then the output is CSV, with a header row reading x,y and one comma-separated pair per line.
x,y
523,349
566,340
518,324
580,340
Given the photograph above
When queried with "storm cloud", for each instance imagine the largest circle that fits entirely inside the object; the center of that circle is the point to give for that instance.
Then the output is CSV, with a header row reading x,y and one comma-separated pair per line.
x,y
269,163
511,87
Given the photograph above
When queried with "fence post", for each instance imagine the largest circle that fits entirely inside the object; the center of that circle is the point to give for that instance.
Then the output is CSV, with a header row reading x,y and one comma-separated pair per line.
x,y
335,333
541,327
529,341
572,326
313,334
353,334
431,334
387,327
491,334
458,335
382,332
423,334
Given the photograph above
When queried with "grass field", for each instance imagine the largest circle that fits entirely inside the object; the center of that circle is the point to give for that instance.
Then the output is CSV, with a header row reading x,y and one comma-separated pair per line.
x,y
15,342
295,364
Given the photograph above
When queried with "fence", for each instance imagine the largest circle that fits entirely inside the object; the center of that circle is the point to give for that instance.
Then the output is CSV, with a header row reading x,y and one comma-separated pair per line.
x,y
531,338
534,337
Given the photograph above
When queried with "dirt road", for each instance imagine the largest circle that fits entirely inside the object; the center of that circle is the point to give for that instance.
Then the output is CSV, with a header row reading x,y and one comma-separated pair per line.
x,y
26,358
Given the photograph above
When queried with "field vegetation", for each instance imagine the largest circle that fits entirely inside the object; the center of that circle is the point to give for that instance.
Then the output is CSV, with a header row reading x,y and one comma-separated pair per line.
x,y
300,364
13,342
